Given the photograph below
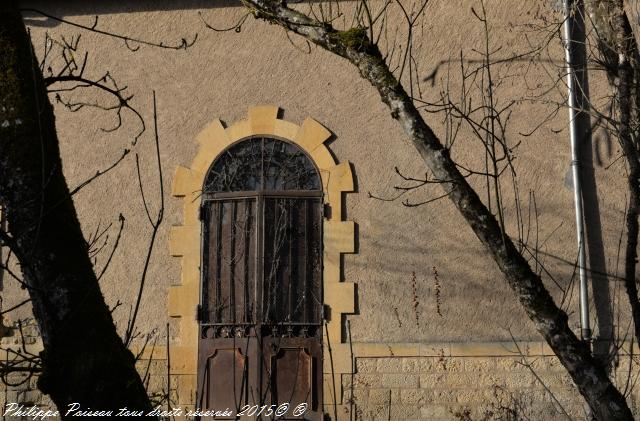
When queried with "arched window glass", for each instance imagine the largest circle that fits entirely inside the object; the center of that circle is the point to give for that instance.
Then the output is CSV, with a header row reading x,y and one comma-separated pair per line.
x,y
262,164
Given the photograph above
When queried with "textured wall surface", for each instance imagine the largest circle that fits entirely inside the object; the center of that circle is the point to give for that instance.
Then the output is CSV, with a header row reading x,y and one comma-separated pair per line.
x,y
399,249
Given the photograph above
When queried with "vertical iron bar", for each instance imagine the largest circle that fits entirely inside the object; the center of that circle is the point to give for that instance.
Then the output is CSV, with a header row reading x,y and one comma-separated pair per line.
x,y
232,263
319,259
305,267
259,293
218,313
262,175
290,262
3,227
246,244
205,243
169,371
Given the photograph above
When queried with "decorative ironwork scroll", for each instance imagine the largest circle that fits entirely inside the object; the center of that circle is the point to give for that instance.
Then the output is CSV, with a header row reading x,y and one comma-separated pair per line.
x,y
259,164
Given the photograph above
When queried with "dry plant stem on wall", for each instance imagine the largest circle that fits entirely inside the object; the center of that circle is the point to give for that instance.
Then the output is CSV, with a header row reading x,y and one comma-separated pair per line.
x,y
437,288
414,299
357,47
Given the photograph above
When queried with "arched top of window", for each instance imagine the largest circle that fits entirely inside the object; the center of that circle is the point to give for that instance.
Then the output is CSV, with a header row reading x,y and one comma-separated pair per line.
x,y
262,164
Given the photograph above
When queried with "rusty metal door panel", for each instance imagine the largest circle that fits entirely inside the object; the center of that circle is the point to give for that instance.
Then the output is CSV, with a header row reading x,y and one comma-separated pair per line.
x,y
292,376
295,374
225,378
228,372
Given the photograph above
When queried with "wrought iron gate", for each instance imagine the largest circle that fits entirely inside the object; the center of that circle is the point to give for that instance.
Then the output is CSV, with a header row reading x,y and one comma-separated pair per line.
x,y
260,315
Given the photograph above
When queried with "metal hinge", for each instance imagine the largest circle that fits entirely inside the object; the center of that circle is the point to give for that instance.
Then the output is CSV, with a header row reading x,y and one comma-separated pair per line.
x,y
198,313
201,213
326,211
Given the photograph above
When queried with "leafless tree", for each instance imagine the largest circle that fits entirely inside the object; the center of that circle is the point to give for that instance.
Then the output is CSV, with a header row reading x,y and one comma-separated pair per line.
x,y
84,359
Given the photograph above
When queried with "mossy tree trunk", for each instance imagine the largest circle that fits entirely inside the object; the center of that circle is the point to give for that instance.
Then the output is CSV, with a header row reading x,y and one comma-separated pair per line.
x,y
606,402
84,360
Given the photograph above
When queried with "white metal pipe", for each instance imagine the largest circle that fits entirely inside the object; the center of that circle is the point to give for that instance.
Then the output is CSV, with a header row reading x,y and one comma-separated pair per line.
x,y
574,40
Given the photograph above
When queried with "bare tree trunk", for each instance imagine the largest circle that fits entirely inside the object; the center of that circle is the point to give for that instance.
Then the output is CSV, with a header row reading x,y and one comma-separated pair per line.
x,y
623,96
620,56
588,375
84,359
628,80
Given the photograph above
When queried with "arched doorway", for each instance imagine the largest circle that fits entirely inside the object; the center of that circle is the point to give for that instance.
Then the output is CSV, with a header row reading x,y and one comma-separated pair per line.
x,y
260,314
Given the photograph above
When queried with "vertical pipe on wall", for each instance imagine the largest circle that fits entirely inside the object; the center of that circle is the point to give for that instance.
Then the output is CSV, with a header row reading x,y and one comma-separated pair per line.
x,y
580,132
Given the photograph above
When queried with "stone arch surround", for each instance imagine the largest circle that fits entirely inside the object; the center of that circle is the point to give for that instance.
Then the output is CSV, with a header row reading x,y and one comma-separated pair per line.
x,y
338,238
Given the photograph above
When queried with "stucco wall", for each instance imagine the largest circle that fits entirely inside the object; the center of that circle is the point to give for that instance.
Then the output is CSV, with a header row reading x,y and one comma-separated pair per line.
x,y
223,74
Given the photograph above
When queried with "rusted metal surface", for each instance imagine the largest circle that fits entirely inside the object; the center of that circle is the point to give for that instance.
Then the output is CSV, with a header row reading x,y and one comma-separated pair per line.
x,y
295,373
261,298
225,377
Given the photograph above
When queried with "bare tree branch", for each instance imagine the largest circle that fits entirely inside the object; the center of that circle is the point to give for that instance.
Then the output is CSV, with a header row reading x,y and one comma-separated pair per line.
x,y
183,45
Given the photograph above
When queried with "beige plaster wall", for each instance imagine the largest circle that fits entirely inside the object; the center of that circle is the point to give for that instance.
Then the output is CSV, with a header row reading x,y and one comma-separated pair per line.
x,y
226,72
